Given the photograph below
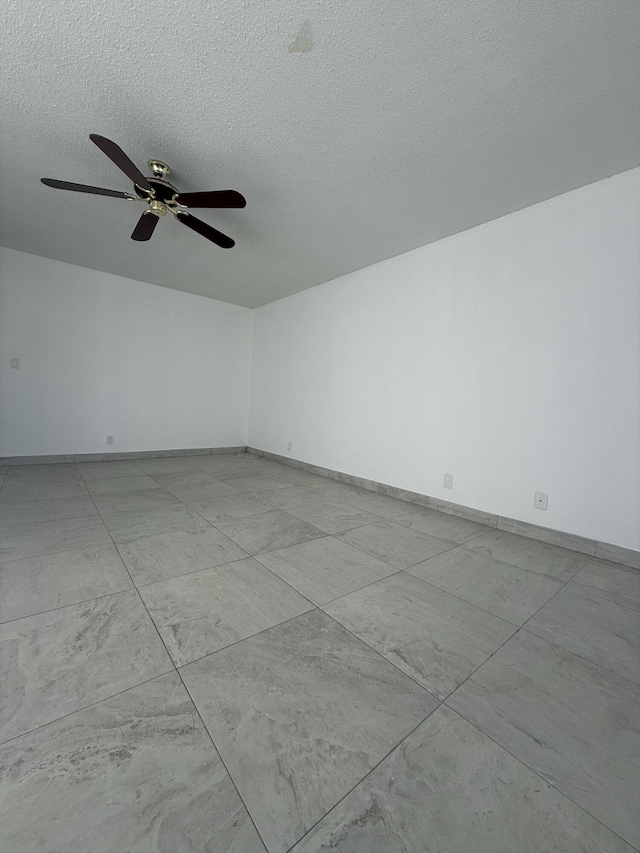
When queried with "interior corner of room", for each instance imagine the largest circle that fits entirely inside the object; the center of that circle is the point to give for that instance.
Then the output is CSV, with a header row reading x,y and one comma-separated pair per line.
x,y
505,357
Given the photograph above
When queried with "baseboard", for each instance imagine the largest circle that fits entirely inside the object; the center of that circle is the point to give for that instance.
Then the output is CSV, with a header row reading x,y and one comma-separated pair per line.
x,y
116,457
591,547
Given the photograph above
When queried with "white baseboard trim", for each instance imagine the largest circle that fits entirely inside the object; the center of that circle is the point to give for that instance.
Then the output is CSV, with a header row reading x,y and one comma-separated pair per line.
x,y
591,547
115,457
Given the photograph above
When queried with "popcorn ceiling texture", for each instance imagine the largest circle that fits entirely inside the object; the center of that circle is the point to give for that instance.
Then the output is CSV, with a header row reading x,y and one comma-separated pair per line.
x,y
357,129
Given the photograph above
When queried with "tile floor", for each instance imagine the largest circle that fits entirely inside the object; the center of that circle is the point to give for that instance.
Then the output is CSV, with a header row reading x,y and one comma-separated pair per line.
x,y
223,653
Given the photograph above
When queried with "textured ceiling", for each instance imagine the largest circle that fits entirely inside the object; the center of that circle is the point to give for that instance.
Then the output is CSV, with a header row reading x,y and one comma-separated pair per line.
x,y
356,129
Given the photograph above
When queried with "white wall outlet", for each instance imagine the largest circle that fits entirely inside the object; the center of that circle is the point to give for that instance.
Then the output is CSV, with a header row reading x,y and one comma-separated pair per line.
x,y
448,481
540,500
289,447
111,439
15,363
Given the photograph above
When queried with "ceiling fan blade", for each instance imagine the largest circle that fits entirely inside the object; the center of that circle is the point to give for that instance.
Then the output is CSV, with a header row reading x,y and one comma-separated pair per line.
x,y
205,230
83,188
115,153
145,227
218,198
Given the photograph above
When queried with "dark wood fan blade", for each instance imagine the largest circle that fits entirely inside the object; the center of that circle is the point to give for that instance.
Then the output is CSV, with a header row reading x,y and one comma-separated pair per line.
x,y
218,198
117,155
82,188
145,227
205,230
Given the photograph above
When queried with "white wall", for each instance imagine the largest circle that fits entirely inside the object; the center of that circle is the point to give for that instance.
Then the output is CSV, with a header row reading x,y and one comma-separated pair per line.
x,y
508,355
100,354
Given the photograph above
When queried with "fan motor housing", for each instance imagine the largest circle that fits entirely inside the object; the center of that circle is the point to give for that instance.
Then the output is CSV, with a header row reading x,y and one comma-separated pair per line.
x,y
163,190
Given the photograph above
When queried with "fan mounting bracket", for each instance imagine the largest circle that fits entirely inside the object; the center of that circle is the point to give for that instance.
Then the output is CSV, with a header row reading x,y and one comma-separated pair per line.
x,y
158,168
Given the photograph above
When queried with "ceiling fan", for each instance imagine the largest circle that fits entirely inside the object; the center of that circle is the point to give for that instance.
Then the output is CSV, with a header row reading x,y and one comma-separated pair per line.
x,y
159,194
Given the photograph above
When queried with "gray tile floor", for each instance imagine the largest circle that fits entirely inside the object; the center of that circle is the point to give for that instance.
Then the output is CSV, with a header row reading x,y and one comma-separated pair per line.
x,y
223,653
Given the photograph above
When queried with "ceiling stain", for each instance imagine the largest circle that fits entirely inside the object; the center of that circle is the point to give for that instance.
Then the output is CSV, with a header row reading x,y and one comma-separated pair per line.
x,y
304,41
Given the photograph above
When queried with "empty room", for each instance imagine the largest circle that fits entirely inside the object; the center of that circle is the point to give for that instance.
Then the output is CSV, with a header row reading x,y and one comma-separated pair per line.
x,y
320,495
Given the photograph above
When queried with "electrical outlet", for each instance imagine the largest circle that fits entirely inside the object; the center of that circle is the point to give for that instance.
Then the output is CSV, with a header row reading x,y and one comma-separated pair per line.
x,y
540,500
111,439
448,481
15,363
289,447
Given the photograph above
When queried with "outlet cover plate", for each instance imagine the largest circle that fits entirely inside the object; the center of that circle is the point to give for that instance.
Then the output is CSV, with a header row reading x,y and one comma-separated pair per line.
x,y
448,481
540,500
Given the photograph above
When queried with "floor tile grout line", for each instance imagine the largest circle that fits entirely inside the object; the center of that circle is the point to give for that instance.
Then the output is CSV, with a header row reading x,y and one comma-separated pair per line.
x,y
464,546
256,557
470,603
533,571
435,586
222,761
395,520
350,506
52,553
177,671
70,604
84,494
189,509
314,524
250,637
258,495
224,519
518,629
235,642
115,544
319,485
380,655
344,595
612,672
186,504
192,572
282,580
321,532
523,628
311,610
140,598
514,632
86,480
533,770
62,518
534,540
515,626
406,568
85,707
138,464
195,571
366,776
